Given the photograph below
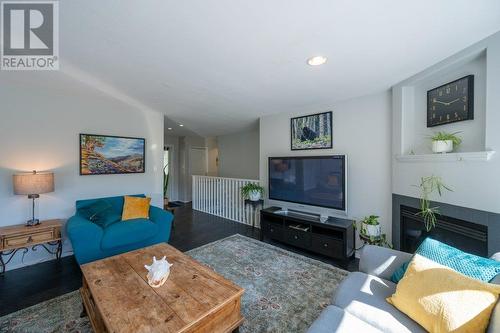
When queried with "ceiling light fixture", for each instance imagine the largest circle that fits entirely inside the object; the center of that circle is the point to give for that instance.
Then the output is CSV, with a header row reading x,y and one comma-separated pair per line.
x,y
170,128
316,61
181,125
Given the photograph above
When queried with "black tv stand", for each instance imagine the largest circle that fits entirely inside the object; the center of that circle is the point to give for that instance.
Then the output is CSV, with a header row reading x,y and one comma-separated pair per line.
x,y
333,237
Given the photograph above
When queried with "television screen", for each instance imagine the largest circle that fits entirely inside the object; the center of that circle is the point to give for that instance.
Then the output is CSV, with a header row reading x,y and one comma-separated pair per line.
x,y
311,180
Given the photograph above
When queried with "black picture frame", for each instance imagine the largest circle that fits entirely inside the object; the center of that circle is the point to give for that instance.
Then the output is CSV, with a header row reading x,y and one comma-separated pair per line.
x,y
142,169
470,102
294,145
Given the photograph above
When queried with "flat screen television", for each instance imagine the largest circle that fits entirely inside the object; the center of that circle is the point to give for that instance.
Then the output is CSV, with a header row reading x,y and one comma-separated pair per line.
x,y
309,180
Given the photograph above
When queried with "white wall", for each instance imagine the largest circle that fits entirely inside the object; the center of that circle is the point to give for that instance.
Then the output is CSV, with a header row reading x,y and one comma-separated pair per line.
x,y
362,130
39,129
475,184
417,134
239,154
185,179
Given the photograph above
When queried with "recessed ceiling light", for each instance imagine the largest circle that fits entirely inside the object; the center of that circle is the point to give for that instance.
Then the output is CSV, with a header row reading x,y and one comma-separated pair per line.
x,y
181,125
170,128
316,61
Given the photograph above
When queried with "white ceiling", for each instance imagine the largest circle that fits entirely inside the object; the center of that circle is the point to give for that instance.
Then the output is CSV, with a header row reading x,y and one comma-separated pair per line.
x,y
216,66
173,128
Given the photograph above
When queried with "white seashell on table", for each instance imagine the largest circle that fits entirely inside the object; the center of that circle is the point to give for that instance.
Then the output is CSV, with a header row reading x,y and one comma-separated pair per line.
x,y
158,272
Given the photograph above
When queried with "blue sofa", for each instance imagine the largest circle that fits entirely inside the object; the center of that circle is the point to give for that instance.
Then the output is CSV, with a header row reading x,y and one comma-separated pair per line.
x,y
92,242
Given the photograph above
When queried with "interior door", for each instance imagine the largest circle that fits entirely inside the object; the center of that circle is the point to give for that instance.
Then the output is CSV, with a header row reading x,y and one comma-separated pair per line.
x,y
198,161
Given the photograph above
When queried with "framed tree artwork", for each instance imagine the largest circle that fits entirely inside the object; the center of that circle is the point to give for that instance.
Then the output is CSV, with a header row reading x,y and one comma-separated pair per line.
x,y
104,155
312,131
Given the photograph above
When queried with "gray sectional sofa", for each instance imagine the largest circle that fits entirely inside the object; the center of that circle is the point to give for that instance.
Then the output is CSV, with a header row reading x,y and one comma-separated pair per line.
x,y
359,303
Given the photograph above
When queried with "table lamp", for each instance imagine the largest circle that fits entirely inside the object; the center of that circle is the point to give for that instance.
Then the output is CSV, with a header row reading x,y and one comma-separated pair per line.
x,y
33,184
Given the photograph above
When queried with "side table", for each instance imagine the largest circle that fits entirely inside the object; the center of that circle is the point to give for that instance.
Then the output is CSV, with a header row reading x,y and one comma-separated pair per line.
x,y
380,240
255,205
20,237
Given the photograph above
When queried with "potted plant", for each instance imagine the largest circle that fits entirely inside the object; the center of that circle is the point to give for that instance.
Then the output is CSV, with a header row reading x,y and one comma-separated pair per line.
x,y
165,185
443,142
370,232
370,226
429,185
252,191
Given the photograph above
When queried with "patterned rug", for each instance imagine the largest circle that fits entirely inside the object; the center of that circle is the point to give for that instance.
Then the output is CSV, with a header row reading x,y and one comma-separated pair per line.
x,y
284,291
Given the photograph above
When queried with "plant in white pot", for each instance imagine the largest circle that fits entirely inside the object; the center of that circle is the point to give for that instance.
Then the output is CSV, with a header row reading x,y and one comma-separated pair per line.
x,y
370,226
252,191
443,142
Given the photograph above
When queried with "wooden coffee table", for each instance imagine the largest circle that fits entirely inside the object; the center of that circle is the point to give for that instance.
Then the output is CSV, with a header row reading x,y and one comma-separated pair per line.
x,y
117,297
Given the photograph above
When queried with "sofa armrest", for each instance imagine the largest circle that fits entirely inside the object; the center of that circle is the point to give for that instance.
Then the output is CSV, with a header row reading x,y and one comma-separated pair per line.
x,y
85,237
381,261
162,218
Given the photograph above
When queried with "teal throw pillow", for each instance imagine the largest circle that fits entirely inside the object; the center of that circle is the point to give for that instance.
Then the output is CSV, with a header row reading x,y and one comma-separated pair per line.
x,y
399,273
100,212
476,267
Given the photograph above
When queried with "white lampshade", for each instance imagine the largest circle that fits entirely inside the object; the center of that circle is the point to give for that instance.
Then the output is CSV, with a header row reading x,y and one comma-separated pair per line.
x,y
33,183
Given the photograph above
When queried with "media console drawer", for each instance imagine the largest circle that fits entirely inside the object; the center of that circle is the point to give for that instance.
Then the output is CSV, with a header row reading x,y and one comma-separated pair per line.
x,y
273,230
328,246
298,238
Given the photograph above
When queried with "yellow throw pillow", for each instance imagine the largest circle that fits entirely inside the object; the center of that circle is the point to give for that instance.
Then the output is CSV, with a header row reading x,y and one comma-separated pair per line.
x,y
135,208
443,300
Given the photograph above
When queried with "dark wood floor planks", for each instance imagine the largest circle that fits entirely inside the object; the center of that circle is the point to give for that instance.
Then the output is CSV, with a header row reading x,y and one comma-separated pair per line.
x,y
30,285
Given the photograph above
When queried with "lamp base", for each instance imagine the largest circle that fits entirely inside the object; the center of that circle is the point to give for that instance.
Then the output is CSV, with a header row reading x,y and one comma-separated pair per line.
x,y
32,222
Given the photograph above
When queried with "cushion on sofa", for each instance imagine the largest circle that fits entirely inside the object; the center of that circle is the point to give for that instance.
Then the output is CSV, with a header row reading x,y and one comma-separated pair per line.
x,y
494,325
364,295
135,208
476,267
129,232
443,300
99,212
334,319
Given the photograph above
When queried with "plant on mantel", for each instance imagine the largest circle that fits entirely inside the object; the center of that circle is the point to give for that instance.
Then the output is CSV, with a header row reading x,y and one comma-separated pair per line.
x,y
444,142
429,185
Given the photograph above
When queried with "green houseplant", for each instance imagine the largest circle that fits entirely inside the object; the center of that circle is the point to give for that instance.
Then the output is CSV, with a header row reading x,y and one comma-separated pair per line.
x,y
443,142
165,184
370,226
252,191
427,186
370,232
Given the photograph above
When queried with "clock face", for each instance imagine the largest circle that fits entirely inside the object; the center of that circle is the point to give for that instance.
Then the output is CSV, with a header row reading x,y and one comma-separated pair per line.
x,y
451,102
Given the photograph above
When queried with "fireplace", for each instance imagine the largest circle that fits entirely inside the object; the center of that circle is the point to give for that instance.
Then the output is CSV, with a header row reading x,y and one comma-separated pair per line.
x,y
464,235
469,229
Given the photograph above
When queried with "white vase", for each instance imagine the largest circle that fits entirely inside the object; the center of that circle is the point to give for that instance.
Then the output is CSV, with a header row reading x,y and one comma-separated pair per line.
x,y
372,230
442,146
254,195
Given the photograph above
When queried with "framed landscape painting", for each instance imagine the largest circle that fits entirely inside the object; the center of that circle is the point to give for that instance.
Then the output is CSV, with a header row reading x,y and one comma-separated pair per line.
x,y
104,155
312,132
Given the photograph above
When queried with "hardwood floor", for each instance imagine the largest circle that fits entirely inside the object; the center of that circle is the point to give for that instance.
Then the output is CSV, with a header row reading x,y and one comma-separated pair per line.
x,y
30,285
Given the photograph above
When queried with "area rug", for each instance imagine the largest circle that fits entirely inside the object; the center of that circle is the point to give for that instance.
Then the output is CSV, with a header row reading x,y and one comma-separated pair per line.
x,y
284,291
